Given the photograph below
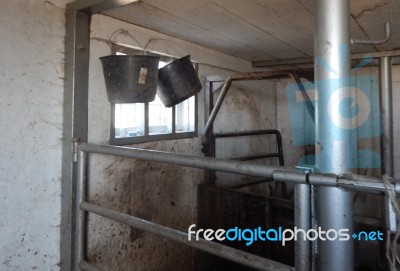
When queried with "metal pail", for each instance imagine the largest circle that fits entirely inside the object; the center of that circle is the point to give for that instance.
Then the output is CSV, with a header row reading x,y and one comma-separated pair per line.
x,y
177,81
130,78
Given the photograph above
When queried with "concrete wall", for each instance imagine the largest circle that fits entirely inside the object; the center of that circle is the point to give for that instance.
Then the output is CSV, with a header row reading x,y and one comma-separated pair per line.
x,y
31,104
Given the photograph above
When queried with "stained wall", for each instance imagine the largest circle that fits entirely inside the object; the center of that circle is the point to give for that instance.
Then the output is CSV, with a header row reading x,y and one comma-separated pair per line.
x,y
31,112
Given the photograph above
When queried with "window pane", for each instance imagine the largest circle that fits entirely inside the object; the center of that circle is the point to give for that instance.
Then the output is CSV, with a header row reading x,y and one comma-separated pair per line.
x,y
129,120
160,118
185,116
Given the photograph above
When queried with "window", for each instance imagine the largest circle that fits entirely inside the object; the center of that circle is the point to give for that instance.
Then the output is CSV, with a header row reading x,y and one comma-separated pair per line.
x,y
145,122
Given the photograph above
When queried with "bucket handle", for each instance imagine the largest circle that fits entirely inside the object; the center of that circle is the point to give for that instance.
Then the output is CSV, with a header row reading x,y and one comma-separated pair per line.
x,y
126,33
172,42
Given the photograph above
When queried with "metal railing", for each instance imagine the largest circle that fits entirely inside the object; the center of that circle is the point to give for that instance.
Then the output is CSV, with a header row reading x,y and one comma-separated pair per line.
x,y
351,182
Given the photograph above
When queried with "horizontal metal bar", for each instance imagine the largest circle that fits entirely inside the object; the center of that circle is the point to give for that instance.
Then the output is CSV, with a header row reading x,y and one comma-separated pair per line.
x,y
246,133
377,54
255,157
85,266
245,168
310,61
351,182
151,138
282,62
361,186
219,250
293,177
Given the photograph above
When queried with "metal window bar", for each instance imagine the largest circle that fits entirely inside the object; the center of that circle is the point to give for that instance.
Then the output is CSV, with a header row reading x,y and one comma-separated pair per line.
x,y
350,182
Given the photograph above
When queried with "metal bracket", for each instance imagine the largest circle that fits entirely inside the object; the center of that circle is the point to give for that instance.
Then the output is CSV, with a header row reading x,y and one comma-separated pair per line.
x,y
374,42
75,142
391,218
390,214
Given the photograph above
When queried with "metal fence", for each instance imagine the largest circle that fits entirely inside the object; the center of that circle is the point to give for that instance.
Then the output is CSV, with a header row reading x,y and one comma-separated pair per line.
x,y
301,179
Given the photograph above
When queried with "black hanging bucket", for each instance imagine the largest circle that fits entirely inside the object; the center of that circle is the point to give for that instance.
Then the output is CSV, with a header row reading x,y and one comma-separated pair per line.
x,y
130,78
177,82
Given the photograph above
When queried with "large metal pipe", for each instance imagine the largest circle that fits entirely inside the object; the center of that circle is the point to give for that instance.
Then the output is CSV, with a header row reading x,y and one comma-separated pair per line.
x,y
302,220
387,159
335,145
385,72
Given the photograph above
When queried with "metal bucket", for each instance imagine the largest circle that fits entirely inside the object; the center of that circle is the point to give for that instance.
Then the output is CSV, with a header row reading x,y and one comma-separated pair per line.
x,y
177,82
130,78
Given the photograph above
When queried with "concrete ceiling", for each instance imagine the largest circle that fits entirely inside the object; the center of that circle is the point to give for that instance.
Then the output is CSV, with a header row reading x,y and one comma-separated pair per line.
x,y
258,30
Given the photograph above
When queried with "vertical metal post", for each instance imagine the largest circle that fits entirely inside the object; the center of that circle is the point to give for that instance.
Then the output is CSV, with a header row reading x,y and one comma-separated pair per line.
x,y
385,71
336,146
80,215
314,245
209,150
385,74
75,121
302,218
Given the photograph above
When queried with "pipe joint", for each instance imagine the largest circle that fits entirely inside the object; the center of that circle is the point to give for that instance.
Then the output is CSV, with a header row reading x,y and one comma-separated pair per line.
x,y
397,188
323,179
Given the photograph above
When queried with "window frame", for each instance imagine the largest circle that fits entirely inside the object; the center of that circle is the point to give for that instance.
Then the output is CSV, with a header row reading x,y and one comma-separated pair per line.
x,y
151,137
